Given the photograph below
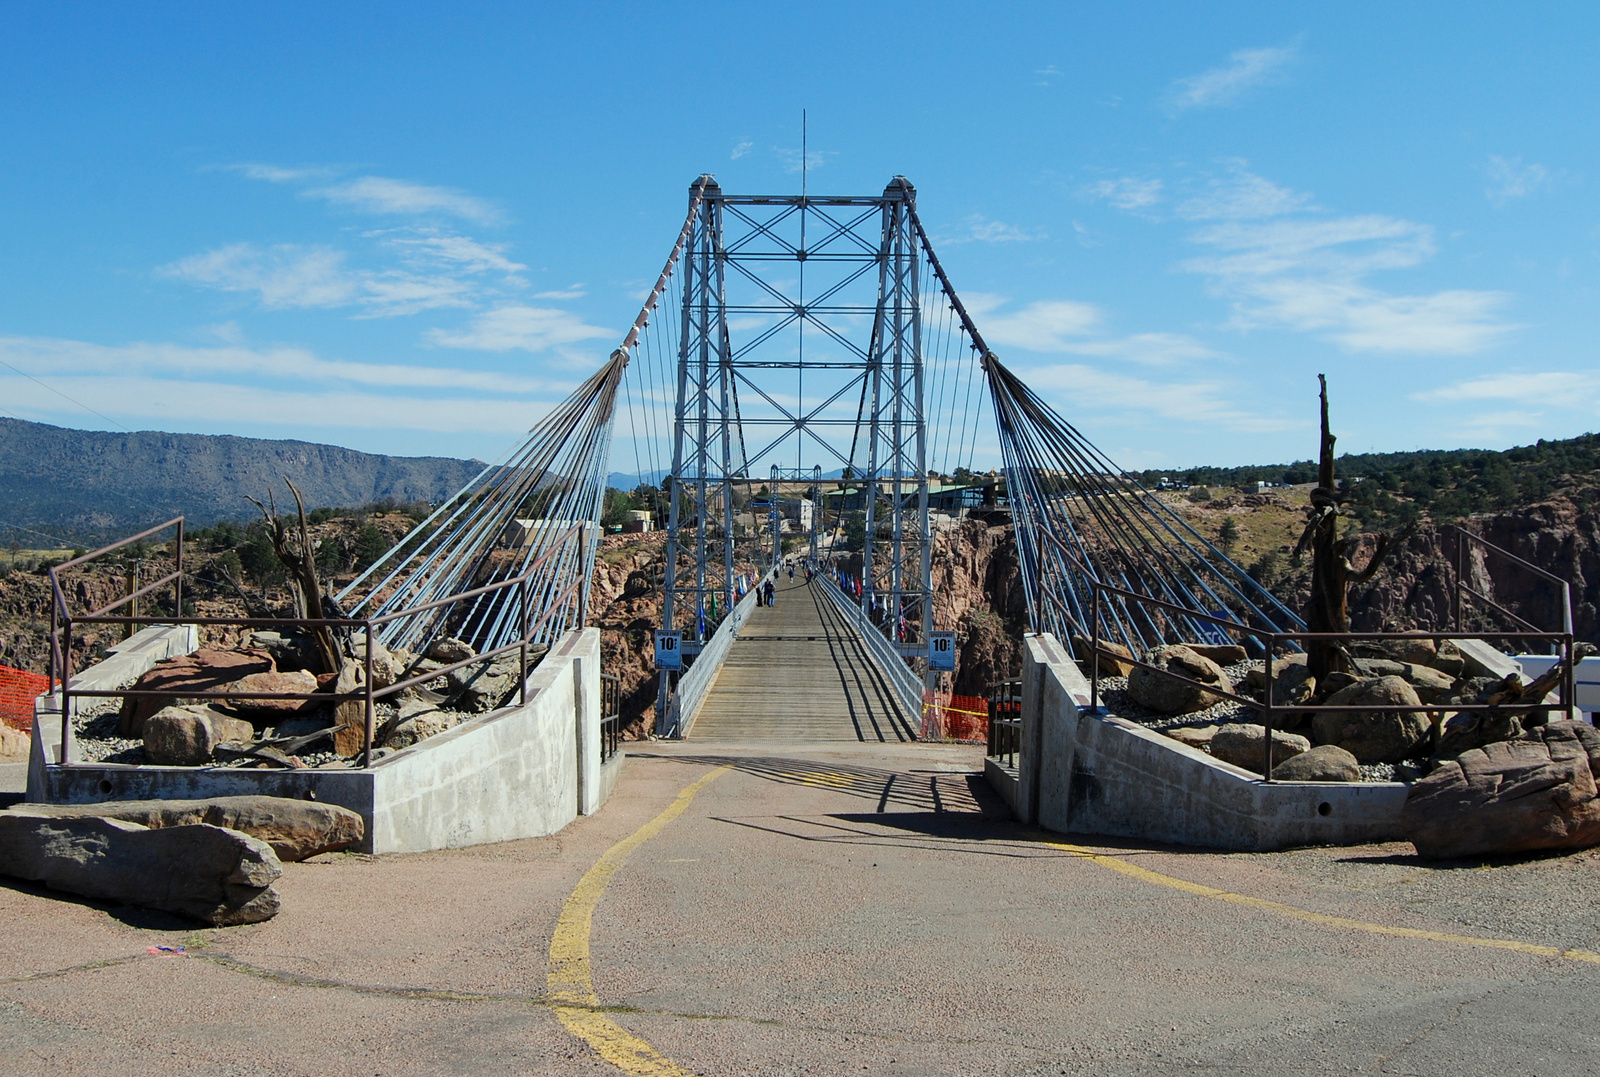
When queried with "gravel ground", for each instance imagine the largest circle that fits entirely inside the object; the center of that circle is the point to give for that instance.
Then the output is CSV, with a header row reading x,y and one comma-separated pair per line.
x,y
1115,698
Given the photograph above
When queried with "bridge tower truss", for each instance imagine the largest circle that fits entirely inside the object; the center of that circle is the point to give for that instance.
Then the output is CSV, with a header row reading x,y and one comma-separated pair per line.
x,y
800,352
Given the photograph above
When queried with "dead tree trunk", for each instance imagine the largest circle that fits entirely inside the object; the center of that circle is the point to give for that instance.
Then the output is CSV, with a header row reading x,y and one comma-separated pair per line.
x,y
1328,610
301,564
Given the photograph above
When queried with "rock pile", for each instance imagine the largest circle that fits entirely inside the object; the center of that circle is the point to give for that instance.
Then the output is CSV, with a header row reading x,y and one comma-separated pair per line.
x,y
1377,734
177,729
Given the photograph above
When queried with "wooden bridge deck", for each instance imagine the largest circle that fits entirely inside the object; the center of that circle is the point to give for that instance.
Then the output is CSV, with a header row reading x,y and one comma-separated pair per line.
x,y
799,671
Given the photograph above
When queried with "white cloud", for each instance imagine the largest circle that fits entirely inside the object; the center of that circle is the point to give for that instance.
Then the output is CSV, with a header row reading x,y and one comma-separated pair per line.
x,y
983,230
1195,402
1551,388
1242,195
1125,192
1509,178
1046,76
1245,70
741,149
574,292
1309,275
282,276
170,363
533,329
427,246
287,276
814,159
1045,326
276,174
379,194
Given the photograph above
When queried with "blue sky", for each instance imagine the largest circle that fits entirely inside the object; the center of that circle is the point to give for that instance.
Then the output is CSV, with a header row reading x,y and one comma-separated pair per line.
x,y
408,229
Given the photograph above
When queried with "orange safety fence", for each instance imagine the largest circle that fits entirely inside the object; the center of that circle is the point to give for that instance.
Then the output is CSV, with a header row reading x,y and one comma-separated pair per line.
x,y
18,690
947,716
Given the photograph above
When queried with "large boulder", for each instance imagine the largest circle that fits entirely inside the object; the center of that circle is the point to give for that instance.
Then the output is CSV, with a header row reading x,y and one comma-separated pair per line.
x,y
1292,682
1117,663
210,873
1244,745
200,671
488,685
1536,791
1431,685
1169,696
1374,735
295,829
189,736
1324,763
418,725
448,649
1223,654
271,709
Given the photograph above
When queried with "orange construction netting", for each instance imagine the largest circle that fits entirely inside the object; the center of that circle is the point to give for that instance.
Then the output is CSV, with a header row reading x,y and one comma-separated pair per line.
x,y
947,716
18,690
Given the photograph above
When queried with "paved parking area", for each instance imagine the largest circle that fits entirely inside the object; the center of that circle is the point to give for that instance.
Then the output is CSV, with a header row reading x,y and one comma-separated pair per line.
x,y
830,909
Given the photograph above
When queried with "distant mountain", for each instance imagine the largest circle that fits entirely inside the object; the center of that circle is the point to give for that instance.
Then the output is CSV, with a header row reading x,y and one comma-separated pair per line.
x,y
83,484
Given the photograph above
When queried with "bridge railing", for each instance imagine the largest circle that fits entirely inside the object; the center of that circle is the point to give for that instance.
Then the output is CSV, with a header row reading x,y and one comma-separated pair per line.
x,y
907,687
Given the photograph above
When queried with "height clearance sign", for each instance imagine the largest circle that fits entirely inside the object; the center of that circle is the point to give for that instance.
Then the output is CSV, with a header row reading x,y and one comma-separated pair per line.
x,y
941,651
669,650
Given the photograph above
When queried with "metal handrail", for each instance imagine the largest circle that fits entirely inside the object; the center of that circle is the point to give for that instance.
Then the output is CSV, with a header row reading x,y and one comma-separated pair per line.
x,y
904,682
1273,640
63,621
1463,588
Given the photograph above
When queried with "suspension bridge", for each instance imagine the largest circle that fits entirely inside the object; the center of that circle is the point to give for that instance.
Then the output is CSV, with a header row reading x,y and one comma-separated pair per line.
x,y
799,379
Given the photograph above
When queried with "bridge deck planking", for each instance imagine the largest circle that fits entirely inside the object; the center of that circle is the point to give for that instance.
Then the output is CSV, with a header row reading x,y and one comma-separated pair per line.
x,y
798,671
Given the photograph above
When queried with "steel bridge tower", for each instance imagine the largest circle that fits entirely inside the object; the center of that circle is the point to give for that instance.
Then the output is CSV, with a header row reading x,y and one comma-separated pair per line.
x,y
800,351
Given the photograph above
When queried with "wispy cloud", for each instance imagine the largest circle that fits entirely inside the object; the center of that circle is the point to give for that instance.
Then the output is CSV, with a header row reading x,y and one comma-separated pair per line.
x,y
1509,178
168,384
288,276
380,194
1198,403
1242,195
982,230
277,173
433,248
1125,192
1047,76
1310,275
574,292
1245,70
741,149
814,159
516,327
1064,326
1560,389
1046,326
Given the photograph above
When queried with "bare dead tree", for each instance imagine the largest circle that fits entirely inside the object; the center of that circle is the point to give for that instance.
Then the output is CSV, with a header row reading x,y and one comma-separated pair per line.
x,y
1332,574
299,559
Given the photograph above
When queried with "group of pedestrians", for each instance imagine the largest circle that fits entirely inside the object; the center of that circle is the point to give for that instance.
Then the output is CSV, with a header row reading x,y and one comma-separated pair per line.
x,y
765,592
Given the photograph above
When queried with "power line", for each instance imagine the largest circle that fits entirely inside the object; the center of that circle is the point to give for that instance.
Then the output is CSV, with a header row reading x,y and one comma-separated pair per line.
x,y
67,398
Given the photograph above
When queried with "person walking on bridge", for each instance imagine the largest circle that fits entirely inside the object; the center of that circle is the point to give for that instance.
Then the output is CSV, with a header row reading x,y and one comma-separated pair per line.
x,y
769,592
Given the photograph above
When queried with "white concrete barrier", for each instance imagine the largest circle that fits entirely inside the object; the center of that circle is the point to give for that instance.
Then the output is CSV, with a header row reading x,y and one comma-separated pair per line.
x,y
518,772
1085,773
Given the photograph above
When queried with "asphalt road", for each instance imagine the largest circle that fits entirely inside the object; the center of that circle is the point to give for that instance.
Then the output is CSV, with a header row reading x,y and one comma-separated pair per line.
x,y
828,910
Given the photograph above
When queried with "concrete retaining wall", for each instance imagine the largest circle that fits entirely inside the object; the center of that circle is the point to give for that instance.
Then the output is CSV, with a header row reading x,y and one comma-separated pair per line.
x,y
1086,773
522,771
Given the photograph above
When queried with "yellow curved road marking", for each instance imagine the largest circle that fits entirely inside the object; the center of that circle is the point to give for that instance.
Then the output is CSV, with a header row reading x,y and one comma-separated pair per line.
x,y
1324,919
570,980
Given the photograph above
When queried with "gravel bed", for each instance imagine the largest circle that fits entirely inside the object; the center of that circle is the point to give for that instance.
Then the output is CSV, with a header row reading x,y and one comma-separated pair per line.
x,y
1115,698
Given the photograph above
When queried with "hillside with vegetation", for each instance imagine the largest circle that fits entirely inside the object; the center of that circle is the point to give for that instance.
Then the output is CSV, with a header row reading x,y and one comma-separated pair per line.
x,y
82,486
1400,488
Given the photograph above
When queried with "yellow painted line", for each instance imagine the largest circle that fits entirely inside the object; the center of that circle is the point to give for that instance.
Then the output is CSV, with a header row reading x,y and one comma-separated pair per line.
x,y
571,981
1155,878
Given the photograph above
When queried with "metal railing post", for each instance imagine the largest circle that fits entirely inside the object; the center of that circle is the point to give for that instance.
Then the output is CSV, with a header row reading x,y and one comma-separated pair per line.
x,y
1094,645
522,618
371,719
1266,712
177,584
66,692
